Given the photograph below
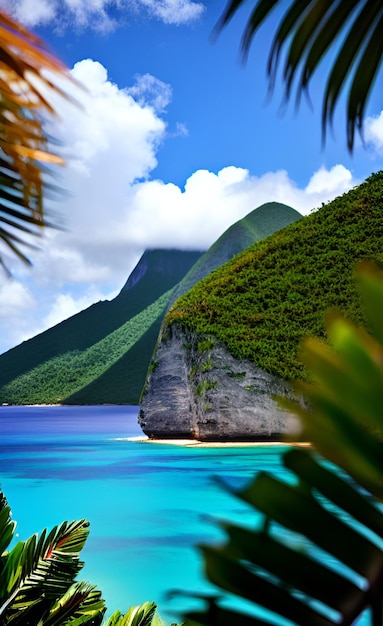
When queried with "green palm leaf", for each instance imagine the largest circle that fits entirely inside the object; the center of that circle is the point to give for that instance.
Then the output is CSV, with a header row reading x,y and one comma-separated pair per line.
x,y
38,586
7,528
37,580
142,615
80,605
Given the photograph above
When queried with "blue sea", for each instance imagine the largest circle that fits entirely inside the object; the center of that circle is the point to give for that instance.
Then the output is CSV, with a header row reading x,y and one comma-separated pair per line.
x,y
149,505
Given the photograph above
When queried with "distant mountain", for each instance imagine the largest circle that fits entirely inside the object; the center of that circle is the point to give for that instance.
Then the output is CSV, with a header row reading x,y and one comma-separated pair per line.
x,y
35,371
102,354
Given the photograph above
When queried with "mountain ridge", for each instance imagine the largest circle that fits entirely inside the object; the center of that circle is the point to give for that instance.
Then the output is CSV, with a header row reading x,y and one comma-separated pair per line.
x,y
25,370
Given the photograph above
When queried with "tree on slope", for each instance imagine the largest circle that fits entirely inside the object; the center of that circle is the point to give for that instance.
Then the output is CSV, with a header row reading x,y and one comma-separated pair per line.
x,y
350,29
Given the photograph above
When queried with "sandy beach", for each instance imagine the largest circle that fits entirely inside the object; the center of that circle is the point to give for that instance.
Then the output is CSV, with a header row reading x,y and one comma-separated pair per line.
x,y
194,443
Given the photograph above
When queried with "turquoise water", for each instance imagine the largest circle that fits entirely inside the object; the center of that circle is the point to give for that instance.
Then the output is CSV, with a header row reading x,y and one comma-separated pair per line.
x,y
149,505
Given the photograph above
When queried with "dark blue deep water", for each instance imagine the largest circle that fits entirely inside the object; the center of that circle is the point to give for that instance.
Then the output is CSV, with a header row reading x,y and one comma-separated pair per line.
x,y
149,505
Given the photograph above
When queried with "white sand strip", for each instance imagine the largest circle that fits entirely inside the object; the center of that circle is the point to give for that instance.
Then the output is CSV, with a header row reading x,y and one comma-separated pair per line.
x,y
213,444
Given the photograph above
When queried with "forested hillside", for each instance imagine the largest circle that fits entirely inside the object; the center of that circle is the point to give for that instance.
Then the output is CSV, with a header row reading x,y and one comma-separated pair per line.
x,y
263,221
267,298
34,370
102,354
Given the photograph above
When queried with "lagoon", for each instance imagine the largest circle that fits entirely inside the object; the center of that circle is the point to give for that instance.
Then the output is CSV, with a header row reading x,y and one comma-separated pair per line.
x,y
149,505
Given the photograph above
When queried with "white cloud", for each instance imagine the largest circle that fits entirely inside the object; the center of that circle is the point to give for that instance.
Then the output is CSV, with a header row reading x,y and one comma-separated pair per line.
x,y
174,11
14,297
110,142
65,305
114,211
152,91
98,14
17,306
165,215
373,132
338,180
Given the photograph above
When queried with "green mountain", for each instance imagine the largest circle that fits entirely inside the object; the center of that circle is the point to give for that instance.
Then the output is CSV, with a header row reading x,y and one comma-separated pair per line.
x,y
102,354
263,221
263,302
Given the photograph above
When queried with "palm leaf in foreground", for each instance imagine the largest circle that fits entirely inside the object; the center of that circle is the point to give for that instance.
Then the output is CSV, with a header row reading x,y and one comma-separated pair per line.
x,y
142,615
38,583
308,30
37,579
330,505
24,81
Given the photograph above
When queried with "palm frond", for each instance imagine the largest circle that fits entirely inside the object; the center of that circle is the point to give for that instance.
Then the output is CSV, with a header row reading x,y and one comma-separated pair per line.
x,y
40,570
7,527
141,615
307,31
80,605
24,82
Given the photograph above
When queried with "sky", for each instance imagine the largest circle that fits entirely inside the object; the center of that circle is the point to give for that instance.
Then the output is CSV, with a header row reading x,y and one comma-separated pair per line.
x,y
172,140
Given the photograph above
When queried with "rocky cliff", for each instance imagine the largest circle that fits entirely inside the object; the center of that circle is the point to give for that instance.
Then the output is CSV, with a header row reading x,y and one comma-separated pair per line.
x,y
196,389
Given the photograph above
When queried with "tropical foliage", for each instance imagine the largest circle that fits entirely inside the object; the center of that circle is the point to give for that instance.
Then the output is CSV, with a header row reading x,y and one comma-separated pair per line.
x,y
308,30
38,583
268,298
24,84
318,558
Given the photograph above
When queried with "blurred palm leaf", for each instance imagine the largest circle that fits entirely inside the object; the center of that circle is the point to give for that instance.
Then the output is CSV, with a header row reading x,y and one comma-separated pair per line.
x,y
330,506
307,31
24,81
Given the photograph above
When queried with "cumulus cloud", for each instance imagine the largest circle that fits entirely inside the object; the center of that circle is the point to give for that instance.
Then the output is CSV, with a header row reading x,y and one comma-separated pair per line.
x,y
66,304
17,306
173,11
99,14
194,217
338,180
113,210
373,132
150,90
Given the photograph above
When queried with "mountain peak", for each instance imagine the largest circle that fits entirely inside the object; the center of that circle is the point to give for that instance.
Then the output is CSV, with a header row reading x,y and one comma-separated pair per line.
x,y
161,263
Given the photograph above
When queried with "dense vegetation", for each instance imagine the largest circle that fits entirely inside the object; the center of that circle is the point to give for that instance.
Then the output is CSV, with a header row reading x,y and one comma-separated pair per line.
x,y
263,302
52,381
263,221
101,355
30,365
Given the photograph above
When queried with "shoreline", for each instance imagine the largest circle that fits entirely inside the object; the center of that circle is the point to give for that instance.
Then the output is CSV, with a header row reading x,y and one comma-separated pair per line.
x,y
195,443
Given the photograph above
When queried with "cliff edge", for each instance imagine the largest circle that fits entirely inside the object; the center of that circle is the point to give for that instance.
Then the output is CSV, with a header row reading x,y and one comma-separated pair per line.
x,y
196,389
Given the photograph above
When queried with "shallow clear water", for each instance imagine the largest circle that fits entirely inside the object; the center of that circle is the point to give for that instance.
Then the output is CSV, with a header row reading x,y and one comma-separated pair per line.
x,y
149,505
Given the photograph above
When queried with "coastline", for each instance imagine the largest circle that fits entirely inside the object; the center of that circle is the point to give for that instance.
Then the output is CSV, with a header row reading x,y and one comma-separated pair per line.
x,y
195,443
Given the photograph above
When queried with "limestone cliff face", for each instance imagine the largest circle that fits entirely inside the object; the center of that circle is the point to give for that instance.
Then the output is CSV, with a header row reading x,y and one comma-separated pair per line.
x,y
196,389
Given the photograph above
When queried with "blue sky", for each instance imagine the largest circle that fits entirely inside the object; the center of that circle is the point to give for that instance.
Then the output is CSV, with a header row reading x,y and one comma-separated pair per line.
x,y
174,142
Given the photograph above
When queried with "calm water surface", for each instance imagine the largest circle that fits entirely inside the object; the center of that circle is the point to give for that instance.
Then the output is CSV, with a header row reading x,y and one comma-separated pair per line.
x,y
149,505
